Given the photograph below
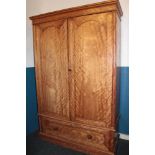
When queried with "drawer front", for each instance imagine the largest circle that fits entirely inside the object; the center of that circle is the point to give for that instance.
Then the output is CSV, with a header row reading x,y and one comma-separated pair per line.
x,y
103,141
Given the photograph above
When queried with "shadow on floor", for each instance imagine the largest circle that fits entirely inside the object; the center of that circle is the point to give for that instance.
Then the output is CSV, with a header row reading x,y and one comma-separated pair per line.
x,y
36,146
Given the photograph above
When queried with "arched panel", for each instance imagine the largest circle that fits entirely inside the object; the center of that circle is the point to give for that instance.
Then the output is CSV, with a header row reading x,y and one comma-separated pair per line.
x,y
54,69
92,69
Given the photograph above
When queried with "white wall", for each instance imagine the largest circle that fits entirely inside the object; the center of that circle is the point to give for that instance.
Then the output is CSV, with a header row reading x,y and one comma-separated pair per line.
x,y
35,7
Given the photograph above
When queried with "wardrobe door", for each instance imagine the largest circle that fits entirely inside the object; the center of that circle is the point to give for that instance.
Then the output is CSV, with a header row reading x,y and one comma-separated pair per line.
x,y
51,62
91,69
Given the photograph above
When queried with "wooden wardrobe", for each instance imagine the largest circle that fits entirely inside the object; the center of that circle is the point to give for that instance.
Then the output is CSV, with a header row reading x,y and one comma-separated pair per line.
x,y
76,59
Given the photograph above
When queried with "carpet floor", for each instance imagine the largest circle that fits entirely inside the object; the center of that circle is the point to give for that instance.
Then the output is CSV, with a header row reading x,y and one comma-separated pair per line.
x,y
36,146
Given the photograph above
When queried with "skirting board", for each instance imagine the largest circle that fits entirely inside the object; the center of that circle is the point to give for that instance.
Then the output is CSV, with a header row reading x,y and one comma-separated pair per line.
x,y
124,136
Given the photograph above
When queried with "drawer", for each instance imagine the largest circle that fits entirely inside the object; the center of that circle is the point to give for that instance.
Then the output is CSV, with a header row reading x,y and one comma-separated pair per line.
x,y
103,141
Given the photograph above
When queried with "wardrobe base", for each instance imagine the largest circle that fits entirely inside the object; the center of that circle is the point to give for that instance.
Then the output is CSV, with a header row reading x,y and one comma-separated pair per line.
x,y
74,146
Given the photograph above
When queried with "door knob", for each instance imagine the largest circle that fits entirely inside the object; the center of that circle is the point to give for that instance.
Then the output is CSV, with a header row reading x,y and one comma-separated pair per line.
x,y
89,136
55,128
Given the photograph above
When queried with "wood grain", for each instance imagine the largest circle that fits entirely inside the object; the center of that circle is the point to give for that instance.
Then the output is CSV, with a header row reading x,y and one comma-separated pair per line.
x,y
75,146
89,138
76,58
118,63
53,68
91,49
76,124
100,7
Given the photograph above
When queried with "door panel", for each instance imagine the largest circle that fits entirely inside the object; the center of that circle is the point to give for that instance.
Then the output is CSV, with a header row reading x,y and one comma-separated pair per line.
x,y
54,69
91,58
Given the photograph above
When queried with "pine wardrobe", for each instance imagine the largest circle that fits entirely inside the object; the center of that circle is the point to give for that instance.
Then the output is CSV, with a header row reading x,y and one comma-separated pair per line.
x,y
77,77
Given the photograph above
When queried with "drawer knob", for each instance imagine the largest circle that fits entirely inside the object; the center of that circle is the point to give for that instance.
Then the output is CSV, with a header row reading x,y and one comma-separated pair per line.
x,y
89,136
55,128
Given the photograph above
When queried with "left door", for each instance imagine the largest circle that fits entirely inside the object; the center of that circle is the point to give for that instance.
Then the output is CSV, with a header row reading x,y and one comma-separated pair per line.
x,y
51,62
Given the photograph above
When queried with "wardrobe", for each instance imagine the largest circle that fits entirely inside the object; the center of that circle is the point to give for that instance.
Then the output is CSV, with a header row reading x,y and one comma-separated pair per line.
x,y
77,53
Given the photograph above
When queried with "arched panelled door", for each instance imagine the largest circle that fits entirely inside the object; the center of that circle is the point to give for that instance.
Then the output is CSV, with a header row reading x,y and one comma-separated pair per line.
x,y
91,66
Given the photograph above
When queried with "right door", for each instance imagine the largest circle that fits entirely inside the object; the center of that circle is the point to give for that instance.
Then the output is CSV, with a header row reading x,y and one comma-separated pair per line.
x,y
91,69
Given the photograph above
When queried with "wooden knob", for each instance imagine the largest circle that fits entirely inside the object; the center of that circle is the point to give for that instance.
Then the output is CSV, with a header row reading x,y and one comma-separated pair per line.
x,y
55,128
89,136
69,69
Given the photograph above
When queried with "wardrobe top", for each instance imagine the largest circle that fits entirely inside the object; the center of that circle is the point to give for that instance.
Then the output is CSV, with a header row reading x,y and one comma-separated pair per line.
x,y
100,7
